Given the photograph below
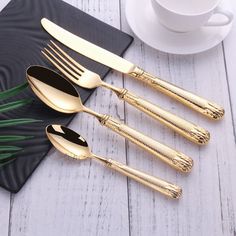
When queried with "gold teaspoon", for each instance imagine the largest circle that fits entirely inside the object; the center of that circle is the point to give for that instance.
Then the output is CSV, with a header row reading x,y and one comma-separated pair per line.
x,y
72,144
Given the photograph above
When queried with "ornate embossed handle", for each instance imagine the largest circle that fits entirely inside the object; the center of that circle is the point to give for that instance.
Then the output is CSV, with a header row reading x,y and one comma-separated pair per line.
x,y
150,181
174,158
189,130
191,100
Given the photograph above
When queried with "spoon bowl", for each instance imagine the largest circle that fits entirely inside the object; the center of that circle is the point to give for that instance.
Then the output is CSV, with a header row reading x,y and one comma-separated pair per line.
x,y
68,142
54,90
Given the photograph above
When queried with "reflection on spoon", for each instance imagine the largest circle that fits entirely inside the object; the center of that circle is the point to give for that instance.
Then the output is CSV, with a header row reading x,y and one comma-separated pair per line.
x,y
61,95
72,144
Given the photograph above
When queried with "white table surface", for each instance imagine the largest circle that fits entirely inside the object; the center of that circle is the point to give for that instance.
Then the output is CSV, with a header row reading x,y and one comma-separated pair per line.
x,y
66,198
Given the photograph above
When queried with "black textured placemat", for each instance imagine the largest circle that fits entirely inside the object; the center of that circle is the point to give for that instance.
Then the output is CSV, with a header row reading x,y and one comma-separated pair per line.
x,y
21,39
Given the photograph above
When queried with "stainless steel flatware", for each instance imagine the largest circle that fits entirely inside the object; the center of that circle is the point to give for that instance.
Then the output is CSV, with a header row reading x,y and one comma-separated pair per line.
x,y
112,60
88,79
74,145
61,95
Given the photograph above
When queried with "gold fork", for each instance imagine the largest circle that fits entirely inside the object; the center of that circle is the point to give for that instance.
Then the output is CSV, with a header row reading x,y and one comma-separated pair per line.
x,y
88,79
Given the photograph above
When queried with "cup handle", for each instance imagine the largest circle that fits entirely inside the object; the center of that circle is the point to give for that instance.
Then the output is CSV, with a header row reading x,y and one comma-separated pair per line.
x,y
228,15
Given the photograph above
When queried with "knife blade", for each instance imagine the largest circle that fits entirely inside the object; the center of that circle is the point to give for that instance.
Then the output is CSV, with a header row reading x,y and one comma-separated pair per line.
x,y
87,49
105,57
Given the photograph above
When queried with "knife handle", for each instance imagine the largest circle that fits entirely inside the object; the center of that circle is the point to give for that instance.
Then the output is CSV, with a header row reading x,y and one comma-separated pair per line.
x,y
174,158
189,130
164,187
189,99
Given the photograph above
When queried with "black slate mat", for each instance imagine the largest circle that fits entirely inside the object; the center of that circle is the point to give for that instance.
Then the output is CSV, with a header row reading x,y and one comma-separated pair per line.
x,y
21,39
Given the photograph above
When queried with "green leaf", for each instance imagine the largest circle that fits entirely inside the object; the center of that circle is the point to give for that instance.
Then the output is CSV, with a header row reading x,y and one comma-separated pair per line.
x,y
6,156
7,162
9,148
7,152
14,138
13,122
13,91
14,105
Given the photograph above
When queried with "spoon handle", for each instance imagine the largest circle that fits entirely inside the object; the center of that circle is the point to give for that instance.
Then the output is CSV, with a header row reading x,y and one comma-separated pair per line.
x,y
168,189
174,158
189,130
199,104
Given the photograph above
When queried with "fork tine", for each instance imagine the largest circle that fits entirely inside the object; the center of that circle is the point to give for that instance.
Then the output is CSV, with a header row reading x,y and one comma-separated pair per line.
x,y
80,67
76,75
79,72
68,75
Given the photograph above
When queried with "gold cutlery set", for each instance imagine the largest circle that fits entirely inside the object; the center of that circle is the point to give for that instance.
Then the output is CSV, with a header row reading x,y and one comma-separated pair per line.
x,y
59,94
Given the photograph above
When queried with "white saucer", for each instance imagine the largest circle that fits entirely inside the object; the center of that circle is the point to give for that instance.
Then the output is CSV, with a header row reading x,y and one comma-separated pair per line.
x,y
144,23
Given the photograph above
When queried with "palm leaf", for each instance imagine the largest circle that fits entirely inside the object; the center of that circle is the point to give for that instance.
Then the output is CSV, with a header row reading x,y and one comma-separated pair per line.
x,y
14,105
8,153
13,91
9,148
6,162
13,138
5,156
14,122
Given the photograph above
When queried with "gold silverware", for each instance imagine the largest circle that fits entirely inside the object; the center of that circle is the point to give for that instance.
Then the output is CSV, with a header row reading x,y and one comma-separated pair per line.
x,y
61,95
72,144
90,80
112,60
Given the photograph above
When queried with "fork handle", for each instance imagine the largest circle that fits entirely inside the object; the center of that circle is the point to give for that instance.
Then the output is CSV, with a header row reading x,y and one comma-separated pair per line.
x,y
203,106
162,186
189,130
174,158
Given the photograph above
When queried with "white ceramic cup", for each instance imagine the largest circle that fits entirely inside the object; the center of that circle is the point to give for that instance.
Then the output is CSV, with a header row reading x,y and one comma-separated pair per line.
x,y
189,15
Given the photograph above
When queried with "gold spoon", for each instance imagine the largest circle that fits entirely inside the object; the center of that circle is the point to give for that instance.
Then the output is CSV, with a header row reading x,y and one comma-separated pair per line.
x,y
72,144
61,95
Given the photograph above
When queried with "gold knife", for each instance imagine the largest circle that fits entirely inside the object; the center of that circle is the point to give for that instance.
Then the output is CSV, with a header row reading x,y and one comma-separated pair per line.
x,y
118,63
